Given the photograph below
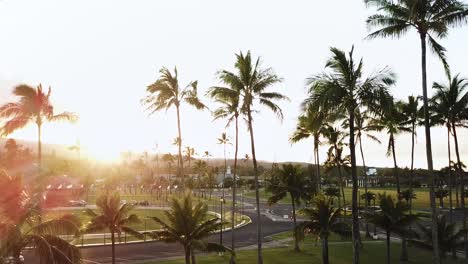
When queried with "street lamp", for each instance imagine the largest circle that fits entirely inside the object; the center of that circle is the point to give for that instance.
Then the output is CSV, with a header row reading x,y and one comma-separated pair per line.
x,y
221,201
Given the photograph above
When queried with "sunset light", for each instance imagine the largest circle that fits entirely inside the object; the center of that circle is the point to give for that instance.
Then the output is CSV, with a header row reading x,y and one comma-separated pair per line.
x,y
240,132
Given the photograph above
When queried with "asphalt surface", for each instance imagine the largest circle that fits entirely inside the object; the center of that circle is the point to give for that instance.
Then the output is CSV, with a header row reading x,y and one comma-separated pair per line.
x,y
153,251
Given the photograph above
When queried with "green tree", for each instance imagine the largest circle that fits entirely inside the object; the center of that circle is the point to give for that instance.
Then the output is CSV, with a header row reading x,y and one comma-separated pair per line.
x,y
449,107
450,237
114,216
430,19
335,138
290,180
252,83
412,114
332,192
229,99
393,218
392,122
29,231
166,93
344,90
311,124
33,106
322,220
189,224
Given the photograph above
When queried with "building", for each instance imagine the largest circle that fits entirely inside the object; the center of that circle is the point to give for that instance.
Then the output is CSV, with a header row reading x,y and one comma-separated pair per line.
x,y
61,190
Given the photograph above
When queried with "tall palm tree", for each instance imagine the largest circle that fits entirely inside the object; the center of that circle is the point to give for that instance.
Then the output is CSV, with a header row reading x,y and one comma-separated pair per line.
x,y
430,19
166,93
189,224
229,99
392,122
363,129
253,82
189,153
224,140
335,138
43,237
332,192
393,219
451,103
322,220
313,125
114,216
33,106
412,113
290,180
344,90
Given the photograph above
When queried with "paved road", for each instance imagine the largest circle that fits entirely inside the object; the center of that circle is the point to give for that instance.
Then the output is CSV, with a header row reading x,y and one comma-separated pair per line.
x,y
131,253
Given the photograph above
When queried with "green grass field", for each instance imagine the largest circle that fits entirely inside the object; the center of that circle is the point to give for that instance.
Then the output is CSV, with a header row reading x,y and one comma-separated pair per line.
x,y
340,253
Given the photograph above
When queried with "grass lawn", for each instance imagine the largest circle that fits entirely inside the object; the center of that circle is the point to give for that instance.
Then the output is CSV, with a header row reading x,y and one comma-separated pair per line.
x,y
421,201
340,253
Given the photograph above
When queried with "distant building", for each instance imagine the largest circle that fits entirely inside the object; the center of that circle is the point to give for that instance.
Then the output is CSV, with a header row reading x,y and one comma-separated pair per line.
x,y
61,190
372,179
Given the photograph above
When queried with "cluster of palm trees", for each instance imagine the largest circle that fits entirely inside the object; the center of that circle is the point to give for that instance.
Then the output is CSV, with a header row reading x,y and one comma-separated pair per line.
x,y
187,222
239,94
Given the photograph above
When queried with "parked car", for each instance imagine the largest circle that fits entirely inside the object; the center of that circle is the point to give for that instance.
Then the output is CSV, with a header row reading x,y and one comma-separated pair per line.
x,y
78,203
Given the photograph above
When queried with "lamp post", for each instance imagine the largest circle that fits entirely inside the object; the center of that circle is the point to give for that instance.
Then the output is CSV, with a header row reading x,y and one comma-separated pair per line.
x,y
375,228
221,201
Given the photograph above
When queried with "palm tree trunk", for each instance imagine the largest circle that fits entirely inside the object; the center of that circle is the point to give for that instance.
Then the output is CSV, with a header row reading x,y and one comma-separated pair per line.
x,y
462,186
354,200
340,175
395,167
366,185
187,255
39,147
317,160
427,127
325,251
454,252
257,193
180,169
412,169
192,254
234,187
113,246
296,242
388,247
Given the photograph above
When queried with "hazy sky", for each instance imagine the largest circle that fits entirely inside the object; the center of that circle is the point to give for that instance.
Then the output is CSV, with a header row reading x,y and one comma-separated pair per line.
x,y
99,56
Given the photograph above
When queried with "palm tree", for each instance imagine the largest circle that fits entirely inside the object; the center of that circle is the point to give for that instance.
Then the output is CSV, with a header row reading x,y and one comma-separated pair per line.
x,y
412,113
114,216
229,99
430,19
189,224
166,93
200,168
311,124
332,192
450,237
451,102
441,194
344,90
252,82
362,129
33,106
29,231
189,153
391,121
335,139
322,220
393,219
224,140
290,180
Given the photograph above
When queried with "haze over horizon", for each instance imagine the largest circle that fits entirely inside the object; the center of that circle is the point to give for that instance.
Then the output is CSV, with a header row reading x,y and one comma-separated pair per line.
x,y
99,56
